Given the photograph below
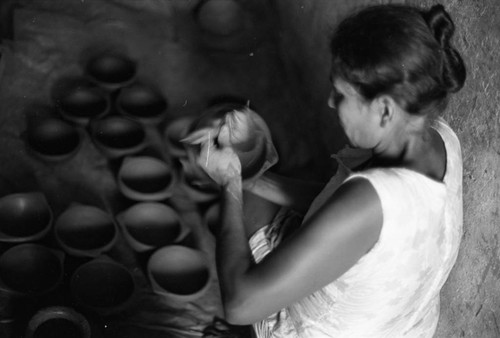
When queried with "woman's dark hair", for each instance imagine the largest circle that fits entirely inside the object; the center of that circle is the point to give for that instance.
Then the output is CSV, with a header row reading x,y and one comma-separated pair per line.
x,y
400,51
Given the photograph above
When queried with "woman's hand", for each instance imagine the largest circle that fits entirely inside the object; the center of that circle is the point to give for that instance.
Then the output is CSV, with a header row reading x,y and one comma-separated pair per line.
x,y
220,163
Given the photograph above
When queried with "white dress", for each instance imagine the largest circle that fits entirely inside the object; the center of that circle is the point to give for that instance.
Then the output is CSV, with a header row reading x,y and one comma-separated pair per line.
x,y
393,290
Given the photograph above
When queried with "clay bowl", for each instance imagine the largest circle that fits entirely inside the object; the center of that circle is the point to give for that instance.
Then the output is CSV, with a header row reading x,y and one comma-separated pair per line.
x,y
220,17
144,178
254,160
179,273
253,154
52,139
79,101
175,131
103,285
64,321
85,231
24,217
31,269
142,102
111,70
149,225
117,136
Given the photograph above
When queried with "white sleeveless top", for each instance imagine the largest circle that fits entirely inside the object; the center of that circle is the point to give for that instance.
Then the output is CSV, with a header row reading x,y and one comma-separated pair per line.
x,y
393,290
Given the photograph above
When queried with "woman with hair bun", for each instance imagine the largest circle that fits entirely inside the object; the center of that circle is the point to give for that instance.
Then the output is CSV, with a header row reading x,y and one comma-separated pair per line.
x,y
373,252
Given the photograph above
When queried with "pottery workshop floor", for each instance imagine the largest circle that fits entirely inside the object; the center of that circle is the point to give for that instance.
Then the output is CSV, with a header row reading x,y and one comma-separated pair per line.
x,y
50,39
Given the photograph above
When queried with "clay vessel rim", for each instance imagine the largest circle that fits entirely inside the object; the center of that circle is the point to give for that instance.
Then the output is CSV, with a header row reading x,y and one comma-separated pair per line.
x,y
159,195
127,65
181,297
40,197
114,152
76,210
61,157
104,260
139,86
58,312
57,254
83,120
135,243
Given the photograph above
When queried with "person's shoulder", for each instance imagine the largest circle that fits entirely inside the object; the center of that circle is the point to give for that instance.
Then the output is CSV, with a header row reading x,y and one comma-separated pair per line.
x,y
378,174
356,192
391,184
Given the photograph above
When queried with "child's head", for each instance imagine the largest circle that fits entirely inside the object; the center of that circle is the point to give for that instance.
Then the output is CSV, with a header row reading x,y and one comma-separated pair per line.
x,y
402,52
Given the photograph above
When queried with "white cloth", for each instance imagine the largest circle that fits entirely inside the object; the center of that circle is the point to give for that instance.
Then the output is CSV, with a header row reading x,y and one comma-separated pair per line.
x,y
393,290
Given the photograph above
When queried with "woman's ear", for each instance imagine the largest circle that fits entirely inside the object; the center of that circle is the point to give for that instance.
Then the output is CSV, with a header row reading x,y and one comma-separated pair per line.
x,y
386,108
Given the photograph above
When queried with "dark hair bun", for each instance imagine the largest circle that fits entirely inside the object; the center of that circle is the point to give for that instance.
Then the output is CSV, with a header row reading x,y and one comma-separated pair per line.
x,y
443,28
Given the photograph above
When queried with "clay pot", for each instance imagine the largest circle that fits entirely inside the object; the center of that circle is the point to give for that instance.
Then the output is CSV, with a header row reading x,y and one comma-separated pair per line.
x,y
144,178
220,17
24,217
179,273
175,131
142,102
85,231
79,101
257,152
52,139
60,321
103,285
31,269
111,70
117,136
149,225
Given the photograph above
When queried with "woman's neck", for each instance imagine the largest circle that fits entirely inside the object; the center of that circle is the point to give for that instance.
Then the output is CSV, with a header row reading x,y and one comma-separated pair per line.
x,y
417,147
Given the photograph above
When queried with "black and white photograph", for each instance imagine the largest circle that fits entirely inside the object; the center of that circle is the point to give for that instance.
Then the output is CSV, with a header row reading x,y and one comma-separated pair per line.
x,y
249,169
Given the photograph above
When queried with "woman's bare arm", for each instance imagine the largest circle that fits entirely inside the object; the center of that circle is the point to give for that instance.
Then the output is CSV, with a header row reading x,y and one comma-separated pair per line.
x,y
327,245
331,242
286,191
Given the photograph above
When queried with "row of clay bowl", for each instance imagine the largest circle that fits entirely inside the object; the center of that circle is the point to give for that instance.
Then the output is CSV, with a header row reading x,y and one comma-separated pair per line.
x,y
150,225
121,134
100,284
116,110
108,101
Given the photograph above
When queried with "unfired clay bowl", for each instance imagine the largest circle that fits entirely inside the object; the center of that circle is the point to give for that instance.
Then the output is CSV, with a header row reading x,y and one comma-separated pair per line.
x,y
79,101
111,70
142,102
31,269
52,139
117,136
220,17
60,321
85,231
24,217
149,225
103,285
255,153
179,273
145,178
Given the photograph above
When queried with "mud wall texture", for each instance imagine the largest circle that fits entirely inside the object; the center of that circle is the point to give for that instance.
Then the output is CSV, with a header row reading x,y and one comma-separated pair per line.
x,y
471,298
